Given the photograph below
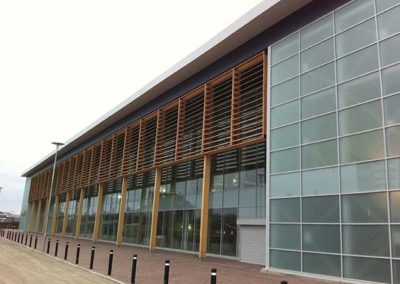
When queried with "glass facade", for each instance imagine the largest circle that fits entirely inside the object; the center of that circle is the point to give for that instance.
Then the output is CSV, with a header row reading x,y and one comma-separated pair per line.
x,y
139,201
334,144
72,212
237,191
179,209
89,212
61,211
41,216
110,210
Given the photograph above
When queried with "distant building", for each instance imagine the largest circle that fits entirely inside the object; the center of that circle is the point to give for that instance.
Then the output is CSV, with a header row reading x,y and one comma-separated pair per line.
x,y
9,220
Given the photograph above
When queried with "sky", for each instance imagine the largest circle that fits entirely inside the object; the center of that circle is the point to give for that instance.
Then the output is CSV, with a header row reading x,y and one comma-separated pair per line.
x,y
63,64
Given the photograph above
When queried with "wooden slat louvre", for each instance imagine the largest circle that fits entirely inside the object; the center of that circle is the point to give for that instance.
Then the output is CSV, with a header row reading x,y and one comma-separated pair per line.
x,y
65,176
117,155
78,170
130,158
95,164
147,143
87,161
71,173
166,135
59,177
104,168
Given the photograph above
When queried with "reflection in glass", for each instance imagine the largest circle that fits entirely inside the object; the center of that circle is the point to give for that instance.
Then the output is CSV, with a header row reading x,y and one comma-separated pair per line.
x,y
364,208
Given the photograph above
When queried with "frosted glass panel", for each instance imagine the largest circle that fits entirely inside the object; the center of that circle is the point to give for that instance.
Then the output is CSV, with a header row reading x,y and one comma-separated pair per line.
x,y
318,103
395,240
318,79
285,114
361,147
390,50
385,4
394,173
285,236
323,181
392,110
370,269
321,264
285,185
319,128
366,240
317,55
393,141
359,90
388,22
319,154
316,32
363,177
390,79
364,208
285,137
357,63
353,13
285,260
285,210
322,238
285,48
395,206
284,161
322,209
360,118
356,37
285,91
285,69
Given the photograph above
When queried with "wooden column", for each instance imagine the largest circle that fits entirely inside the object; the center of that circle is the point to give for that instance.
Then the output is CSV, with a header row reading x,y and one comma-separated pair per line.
x,y
98,213
154,214
204,206
39,208
65,219
79,218
121,217
30,222
45,215
55,214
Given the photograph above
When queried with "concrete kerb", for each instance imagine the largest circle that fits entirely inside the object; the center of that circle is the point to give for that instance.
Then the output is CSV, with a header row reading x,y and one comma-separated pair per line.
x,y
72,264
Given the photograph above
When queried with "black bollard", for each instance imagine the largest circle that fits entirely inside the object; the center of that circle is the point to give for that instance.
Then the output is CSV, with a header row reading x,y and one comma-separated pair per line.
x,y
19,235
66,250
35,241
56,250
166,272
22,238
92,258
284,282
213,276
26,239
30,241
48,246
133,274
110,261
78,249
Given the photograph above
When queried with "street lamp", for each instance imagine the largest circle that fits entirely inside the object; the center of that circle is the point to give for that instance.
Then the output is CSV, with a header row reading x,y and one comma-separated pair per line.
x,y
58,144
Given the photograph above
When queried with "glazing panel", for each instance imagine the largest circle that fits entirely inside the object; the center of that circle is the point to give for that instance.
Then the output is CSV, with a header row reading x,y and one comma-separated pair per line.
x,y
319,154
285,260
390,79
353,13
229,232
363,177
395,229
323,209
231,198
389,49
323,181
385,4
394,173
285,210
285,70
316,32
214,230
357,63
388,22
285,137
359,90
366,240
392,110
247,212
317,55
322,238
364,208
321,264
395,207
285,185
361,147
396,271
393,141
355,38
370,269
319,128
318,103
318,79
285,91
285,236
285,48
284,161
285,114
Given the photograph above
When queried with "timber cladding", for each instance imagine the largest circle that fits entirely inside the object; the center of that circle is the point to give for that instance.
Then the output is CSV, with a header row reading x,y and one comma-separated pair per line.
x,y
225,113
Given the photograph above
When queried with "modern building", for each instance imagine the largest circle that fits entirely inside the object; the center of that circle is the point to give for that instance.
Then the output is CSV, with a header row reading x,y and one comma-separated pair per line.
x,y
9,220
277,143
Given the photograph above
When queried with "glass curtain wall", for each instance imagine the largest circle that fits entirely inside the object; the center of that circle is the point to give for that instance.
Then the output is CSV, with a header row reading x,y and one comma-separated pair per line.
x,y
42,212
139,202
89,212
180,202
51,212
237,191
334,145
72,212
60,216
110,210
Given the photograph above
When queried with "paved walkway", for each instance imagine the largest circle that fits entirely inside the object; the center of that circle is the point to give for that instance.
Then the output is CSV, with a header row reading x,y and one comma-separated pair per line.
x,y
185,268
